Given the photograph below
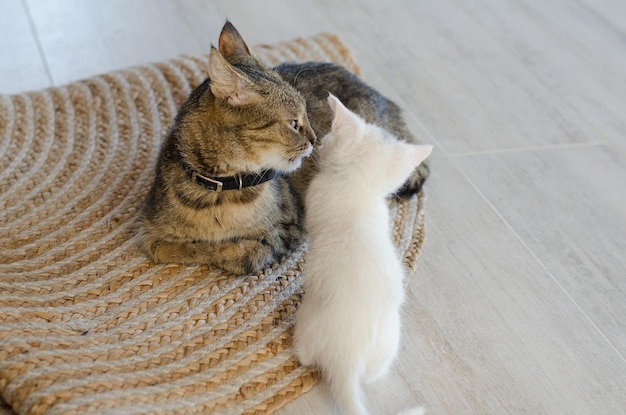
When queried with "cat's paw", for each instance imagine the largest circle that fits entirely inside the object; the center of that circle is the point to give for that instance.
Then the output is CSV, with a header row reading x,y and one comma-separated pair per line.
x,y
166,252
247,256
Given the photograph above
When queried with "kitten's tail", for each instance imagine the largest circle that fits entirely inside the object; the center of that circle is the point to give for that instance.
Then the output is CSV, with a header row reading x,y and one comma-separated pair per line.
x,y
346,388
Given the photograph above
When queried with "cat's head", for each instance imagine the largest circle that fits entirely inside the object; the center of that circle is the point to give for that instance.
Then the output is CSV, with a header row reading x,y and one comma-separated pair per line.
x,y
254,119
367,155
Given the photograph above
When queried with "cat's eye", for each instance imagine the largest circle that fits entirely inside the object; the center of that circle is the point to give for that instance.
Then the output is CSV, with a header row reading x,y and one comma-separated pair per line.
x,y
295,125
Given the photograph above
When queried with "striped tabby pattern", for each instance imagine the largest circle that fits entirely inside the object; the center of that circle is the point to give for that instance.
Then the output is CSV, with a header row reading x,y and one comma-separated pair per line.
x,y
87,324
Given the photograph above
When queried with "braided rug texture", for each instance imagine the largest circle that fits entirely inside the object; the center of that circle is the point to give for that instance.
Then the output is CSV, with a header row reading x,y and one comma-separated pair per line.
x,y
87,323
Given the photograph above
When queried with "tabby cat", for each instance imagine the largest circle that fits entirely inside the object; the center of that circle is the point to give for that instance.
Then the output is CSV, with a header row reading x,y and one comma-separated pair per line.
x,y
232,173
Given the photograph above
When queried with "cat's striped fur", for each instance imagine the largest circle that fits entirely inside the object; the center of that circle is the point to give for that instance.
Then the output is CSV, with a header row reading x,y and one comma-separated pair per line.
x,y
244,119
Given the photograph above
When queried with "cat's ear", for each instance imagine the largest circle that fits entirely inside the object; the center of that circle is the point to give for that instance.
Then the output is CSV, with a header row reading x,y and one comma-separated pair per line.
x,y
333,101
343,116
419,153
232,46
228,84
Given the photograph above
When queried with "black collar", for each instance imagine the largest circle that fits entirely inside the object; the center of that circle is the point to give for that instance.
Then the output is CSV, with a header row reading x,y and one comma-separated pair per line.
x,y
237,182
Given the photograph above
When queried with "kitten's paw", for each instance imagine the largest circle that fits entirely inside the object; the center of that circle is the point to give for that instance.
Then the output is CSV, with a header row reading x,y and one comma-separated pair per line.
x,y
303,355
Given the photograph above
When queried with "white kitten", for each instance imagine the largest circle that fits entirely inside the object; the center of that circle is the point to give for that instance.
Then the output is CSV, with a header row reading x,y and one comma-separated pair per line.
x,y
349,320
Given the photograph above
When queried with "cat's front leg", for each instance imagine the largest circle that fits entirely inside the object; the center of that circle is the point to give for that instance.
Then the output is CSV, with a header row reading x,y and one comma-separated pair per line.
x,y
248,256
244,256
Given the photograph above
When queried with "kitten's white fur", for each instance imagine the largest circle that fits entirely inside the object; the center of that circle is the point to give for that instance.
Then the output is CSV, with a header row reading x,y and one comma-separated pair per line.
x,y
349,321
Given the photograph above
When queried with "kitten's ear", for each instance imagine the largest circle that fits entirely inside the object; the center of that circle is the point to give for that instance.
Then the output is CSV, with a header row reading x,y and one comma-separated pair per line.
x,y
228,84
333,101
343,115
232,46
419,153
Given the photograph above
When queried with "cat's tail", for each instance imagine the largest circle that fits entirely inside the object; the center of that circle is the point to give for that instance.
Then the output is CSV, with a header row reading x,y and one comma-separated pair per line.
x,y
414,183
346,388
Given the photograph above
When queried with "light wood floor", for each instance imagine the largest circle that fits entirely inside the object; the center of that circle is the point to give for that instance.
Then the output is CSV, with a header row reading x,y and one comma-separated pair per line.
x,y
519,302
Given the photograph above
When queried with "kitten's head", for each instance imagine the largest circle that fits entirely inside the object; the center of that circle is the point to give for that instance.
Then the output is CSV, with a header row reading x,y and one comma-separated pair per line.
x,y
255,121
365,155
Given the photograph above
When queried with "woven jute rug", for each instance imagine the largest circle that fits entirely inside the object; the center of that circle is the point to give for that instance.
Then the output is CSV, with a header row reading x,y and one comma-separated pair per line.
x,y
87,323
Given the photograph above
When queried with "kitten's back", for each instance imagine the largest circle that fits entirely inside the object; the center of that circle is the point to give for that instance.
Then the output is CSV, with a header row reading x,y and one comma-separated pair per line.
x,y
349,320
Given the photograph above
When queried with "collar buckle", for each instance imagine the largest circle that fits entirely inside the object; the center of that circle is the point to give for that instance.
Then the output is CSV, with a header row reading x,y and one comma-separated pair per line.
x,y
207,182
